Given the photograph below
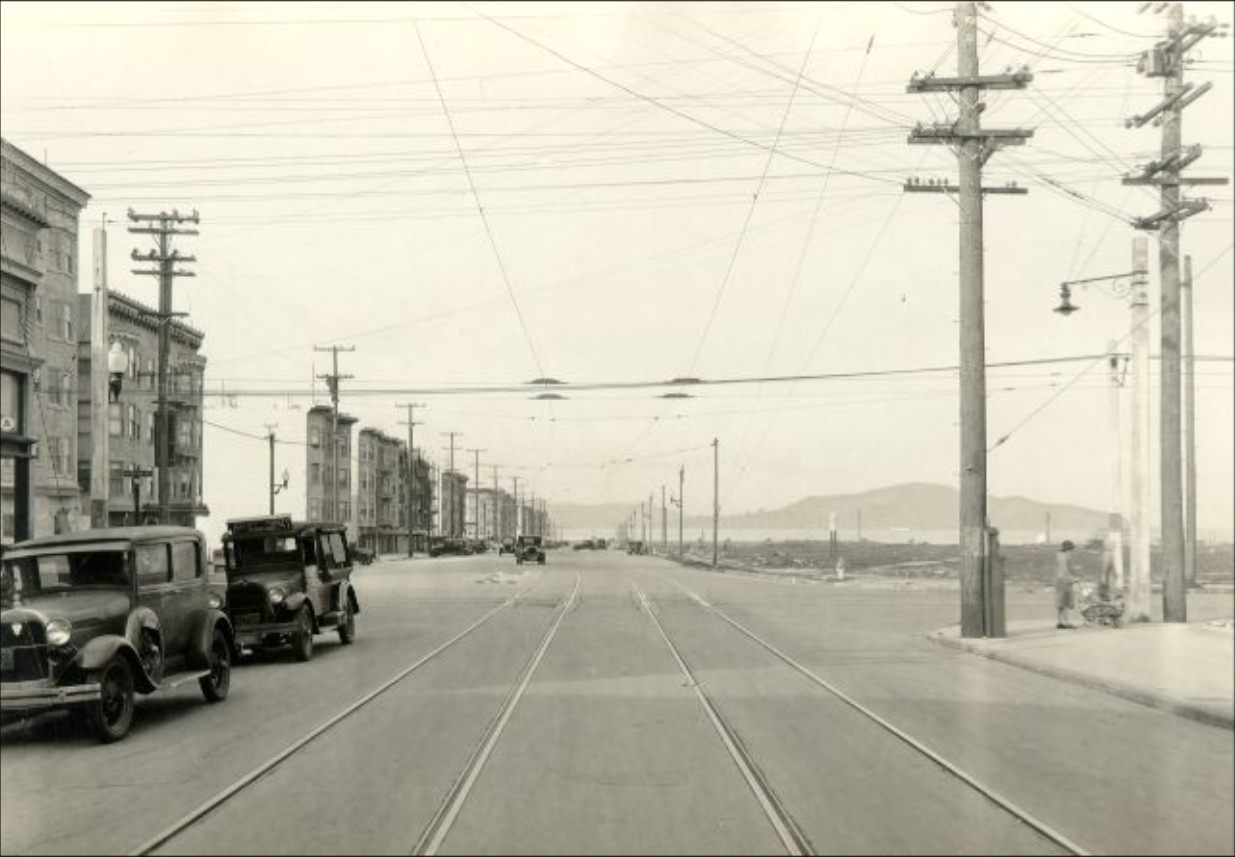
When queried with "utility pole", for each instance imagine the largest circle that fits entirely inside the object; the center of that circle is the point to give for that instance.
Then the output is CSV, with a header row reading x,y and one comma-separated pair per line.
x,y
664,522
1113,562
518,511
476,493
163,226
499,529
450,531
973,146
411,424
100,464
275,487
1166,60
1137,606
1189,396
715,499
332,382
681,503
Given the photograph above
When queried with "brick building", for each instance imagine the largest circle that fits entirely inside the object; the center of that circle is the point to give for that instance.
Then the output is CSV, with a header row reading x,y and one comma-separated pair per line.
x,y
328,481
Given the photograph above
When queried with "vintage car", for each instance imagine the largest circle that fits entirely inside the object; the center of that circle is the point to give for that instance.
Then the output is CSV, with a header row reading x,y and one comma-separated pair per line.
x,y
93,617
529,549
364,556
507,546
288,580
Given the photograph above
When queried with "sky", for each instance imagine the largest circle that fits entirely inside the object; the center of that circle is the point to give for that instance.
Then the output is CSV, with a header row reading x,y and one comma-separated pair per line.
x,y
477,195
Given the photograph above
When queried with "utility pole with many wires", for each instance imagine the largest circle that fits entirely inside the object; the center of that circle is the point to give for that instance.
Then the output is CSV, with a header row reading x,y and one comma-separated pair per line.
x,y
163,226
973,146
1166,60
332,383
411,424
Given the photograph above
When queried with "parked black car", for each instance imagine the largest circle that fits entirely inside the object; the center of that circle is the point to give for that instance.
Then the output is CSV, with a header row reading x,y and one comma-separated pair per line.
x,y
288,580
529,549
92,618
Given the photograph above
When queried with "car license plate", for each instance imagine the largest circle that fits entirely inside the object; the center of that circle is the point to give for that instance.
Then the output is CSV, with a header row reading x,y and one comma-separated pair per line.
x,y
6,659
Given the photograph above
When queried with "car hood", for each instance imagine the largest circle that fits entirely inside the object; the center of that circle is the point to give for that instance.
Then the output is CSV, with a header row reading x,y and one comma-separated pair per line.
x,y
289,580
84,608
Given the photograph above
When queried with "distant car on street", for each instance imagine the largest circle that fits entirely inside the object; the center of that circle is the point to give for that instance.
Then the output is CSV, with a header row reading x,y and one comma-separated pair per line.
x,y
635,546
288,580
363,556
529,549
507,546
92,618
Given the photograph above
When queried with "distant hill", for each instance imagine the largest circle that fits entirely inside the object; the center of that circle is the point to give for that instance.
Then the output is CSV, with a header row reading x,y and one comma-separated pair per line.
x,y
917,506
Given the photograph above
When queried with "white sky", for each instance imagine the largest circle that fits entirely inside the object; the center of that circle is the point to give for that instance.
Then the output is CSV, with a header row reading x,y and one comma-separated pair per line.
x,y
620,152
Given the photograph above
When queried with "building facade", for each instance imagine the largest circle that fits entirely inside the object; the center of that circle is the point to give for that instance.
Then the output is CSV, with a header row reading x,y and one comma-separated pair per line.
x,y
39,329
452,504
132,423
422,501
381,491
328,484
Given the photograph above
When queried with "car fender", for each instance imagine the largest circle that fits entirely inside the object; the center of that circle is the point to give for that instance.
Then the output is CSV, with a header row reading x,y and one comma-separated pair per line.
x,y
202,635
352,599
96,653
293,601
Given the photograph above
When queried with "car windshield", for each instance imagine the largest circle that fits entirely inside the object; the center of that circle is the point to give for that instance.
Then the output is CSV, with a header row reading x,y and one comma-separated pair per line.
x,y
265,552
54,569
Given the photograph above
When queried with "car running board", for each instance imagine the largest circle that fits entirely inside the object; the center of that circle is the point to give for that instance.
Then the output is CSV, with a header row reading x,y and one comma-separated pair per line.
x,y
181,678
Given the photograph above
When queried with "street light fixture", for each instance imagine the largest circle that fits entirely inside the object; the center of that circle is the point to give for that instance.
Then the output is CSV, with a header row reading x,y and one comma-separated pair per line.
x,y
1066,307
117,366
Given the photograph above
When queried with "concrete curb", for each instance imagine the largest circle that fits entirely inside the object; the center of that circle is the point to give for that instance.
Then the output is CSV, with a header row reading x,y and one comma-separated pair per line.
x,y
1132,693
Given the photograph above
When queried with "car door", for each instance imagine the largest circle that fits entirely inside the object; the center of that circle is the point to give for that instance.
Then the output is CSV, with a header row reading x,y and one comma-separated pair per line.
x,y
187,593
154,589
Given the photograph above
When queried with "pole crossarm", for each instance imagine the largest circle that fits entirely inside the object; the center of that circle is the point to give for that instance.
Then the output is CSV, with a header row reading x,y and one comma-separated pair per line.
x,y
1175,214
946,133
917,186
934,83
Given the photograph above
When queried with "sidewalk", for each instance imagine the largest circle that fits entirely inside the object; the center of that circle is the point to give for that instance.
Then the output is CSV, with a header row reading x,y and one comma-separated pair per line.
x,y
1187,669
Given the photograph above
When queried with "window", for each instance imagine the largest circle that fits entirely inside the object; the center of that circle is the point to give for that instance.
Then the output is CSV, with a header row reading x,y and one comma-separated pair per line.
x,y
150,416
117,486
152,568
134,362
53,453
184,435
315,474
38,310
66,322
66,389
315,438
115,419
134,427
343,477
338,552
185,566
11,321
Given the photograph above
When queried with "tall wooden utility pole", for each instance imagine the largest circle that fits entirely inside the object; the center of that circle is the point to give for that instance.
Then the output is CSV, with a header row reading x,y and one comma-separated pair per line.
x,y
1189,397
715,499
100,466
1166,60
973,147
664,522
450,530
164,226
1113,561
476,492
411,424
332,382
681,503
1137,605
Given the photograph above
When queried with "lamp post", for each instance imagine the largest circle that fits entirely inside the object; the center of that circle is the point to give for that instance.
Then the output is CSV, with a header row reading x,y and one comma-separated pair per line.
x,y
117,366
1122,286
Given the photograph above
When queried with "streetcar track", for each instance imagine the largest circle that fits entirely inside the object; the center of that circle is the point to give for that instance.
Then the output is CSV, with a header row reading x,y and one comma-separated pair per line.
x,y
448,811
989,793
787,830
262,770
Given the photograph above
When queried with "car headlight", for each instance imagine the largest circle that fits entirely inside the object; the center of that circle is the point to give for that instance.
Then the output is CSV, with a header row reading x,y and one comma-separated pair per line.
x,y
277,594
214,601
59,631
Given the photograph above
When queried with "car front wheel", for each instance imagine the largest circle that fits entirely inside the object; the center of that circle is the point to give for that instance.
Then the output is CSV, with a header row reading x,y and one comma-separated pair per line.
x,y
215,686
112,714
302,640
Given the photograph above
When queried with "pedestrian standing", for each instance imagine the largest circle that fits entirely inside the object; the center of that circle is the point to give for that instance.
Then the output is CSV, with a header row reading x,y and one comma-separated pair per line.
x,y
1064,581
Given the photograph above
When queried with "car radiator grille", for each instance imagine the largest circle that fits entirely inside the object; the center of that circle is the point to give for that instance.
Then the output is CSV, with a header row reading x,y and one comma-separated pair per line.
x,y
247,599
24,647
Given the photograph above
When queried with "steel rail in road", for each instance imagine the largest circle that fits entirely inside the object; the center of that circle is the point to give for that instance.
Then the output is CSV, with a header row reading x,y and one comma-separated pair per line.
x,y
971,781
266,767
439,826
791,836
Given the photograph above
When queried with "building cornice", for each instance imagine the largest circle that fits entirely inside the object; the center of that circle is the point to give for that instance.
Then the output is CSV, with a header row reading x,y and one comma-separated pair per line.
x,y
49,179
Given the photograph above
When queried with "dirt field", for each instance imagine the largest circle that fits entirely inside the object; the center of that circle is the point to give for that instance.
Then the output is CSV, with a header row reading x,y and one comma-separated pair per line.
x,y
1022,563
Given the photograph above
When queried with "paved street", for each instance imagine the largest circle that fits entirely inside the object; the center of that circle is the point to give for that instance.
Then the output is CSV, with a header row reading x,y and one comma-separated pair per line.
x,y
606,703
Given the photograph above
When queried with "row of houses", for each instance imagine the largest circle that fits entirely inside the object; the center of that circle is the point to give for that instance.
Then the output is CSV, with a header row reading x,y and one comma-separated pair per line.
x,y
48,449
393,496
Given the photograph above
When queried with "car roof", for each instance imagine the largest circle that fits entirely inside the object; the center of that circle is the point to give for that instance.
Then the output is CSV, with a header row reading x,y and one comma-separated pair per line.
x,y
297,528
111,534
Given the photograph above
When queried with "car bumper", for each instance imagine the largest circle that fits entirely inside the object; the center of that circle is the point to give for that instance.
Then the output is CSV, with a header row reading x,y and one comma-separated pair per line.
x,y
255,635
23,696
